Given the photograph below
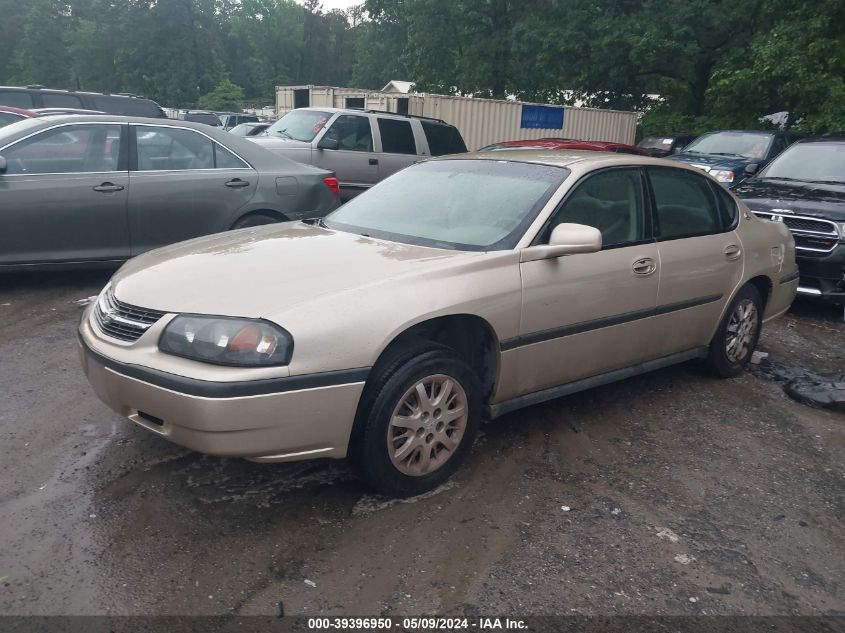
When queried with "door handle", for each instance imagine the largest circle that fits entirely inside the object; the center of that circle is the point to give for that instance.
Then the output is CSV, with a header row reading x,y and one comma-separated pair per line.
x,y
732,251
237,182
108,186
644,266
374,161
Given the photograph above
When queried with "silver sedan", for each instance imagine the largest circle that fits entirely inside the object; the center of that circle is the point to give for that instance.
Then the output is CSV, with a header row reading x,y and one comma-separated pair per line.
x,y
101,188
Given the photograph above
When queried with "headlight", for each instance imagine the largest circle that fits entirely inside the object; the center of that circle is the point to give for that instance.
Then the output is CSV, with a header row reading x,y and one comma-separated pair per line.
x,y
842,231
722,175
227,341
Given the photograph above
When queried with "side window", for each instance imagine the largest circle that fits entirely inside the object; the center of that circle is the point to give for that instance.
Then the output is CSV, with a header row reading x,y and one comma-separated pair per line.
x,y
16,99
778,145
728,210
167,149
59,100
611,201
67,149
224,159
397,137
685,204
352,133
9,117
443,139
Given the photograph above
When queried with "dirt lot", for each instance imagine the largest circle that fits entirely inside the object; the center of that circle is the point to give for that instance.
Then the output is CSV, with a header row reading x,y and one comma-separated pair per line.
x,y
671,493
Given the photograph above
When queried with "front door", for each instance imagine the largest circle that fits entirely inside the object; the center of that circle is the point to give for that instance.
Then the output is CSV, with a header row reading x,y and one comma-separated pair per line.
x,y
701,258
587,314
63,196
184,185
354,162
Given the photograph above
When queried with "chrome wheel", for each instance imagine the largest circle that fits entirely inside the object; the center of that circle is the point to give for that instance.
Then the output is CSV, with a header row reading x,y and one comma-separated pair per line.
x,y
742,331
427,425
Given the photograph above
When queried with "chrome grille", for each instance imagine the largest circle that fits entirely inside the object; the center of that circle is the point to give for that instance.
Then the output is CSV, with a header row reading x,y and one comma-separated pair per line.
x,y
121,320
811,234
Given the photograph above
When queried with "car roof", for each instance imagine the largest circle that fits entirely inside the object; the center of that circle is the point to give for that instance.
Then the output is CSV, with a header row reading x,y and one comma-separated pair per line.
x,y
586,160
833,137
382,113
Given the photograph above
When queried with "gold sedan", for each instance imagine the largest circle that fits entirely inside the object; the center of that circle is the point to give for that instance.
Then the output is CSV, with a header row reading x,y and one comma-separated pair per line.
x,y
454,291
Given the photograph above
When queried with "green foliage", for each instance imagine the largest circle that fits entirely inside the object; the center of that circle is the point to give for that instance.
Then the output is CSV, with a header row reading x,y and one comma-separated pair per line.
x,y
225,97
714,63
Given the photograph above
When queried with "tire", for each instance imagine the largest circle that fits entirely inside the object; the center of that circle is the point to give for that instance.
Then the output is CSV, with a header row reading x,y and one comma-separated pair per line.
x,y
390,415
729,353
255,219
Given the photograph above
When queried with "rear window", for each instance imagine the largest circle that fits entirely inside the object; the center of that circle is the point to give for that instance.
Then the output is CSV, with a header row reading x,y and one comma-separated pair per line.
x,y
397,137
203,117
126,106
443,139
16,99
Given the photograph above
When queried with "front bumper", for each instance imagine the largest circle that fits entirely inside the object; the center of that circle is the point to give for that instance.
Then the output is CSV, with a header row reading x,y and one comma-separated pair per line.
x,y
284,419
823,277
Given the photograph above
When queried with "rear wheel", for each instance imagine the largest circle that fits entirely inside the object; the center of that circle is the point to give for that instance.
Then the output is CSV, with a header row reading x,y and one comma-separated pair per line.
x,y
423,417
255,219
736,338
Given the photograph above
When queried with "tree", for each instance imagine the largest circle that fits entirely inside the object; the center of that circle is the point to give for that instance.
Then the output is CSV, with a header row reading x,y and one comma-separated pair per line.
x,y
225,97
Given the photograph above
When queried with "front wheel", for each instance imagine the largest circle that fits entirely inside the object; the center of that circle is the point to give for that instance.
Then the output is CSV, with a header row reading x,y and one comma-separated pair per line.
x,y
736,338
255,219
421,424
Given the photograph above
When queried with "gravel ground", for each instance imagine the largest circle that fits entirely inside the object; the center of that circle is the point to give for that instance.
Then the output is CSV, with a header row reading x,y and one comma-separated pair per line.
x,y
670,493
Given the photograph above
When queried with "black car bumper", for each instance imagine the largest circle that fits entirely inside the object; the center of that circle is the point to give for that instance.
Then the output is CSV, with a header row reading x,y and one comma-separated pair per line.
x,y
823,277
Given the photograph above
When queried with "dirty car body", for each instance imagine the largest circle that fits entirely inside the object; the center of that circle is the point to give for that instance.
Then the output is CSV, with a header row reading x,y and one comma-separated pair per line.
x,y
456,290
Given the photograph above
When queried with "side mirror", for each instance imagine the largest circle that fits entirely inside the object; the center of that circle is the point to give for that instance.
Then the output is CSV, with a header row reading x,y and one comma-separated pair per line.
x,y
566,239
3,165
328,143
751,168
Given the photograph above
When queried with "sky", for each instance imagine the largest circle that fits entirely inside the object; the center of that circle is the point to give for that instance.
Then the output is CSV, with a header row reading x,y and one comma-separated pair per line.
x,y
328,5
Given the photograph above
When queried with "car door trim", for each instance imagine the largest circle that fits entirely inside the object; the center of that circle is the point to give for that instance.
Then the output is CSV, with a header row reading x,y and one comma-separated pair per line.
x,y
596,324
233,389
494,411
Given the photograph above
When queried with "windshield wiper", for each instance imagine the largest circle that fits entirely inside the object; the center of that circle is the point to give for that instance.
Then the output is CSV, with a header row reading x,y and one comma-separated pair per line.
x,y
827,182
283,133
727,154
784,178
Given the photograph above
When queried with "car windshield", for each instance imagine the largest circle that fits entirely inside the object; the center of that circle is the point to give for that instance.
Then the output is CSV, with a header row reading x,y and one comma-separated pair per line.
x,y
809,162
300,125
656,142
745,144
461,204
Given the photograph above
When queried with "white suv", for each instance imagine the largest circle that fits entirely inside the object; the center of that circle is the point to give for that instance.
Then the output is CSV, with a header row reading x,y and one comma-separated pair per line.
x,y
361,146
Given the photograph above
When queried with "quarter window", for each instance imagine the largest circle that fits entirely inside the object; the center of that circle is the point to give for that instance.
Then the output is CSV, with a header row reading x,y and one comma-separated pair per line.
x,y
443,139
685,204
59,100
397,137
67,149
611,201
174,149
352,133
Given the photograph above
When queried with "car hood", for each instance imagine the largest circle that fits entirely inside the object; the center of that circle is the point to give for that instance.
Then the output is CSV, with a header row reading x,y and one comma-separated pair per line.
x,y
266,270
811,199
712,161
278,143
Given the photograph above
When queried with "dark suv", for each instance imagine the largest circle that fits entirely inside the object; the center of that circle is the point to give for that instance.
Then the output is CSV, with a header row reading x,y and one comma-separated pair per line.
x,y
34,97
804,188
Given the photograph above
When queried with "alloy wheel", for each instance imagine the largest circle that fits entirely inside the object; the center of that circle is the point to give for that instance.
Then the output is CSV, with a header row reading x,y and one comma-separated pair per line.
x,y
742,330
427,425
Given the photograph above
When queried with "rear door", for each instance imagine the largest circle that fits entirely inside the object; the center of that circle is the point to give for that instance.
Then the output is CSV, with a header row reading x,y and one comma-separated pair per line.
x,y
398,146
354,162
184,184
63,197
701,258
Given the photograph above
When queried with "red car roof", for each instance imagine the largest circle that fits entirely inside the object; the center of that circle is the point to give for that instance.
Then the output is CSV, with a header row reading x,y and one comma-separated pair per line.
x,y
565,143
21,111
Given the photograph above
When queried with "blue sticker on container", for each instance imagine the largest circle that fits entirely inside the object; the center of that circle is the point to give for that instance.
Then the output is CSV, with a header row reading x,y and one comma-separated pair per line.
x,y
543,117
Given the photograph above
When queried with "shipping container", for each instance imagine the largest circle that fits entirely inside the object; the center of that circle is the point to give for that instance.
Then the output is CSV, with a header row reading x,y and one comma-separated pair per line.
x,y
480,121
